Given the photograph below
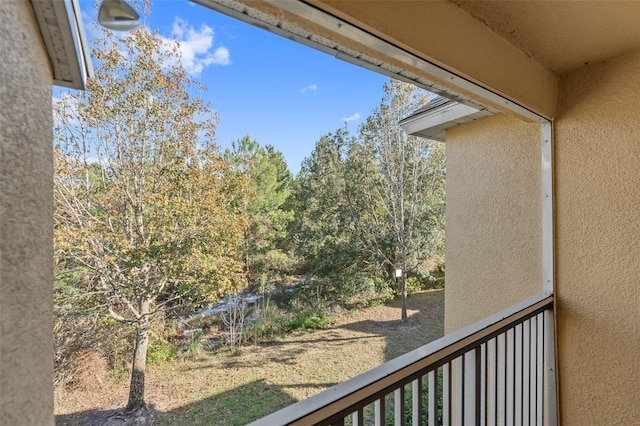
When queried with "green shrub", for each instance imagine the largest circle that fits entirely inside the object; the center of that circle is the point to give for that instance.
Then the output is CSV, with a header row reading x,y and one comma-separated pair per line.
x,y
161,351
414,285
193,346
438,283
269,267
308,320
270,324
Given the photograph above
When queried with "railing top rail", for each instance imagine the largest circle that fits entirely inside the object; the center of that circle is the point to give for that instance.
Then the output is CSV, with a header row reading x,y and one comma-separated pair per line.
x,y
365,386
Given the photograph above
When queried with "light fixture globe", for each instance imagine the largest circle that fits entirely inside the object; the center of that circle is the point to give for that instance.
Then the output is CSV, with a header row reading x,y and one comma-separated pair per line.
x,y
118,16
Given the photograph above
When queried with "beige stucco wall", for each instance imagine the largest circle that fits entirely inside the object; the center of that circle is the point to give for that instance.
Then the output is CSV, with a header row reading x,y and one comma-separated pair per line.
x,y
493,228
597,164
26,345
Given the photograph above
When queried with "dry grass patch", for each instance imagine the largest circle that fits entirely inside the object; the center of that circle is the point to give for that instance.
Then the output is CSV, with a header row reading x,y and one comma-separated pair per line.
x,y
235,388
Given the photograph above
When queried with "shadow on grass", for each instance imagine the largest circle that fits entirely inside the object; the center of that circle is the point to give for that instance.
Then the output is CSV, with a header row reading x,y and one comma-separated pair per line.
x,y
287,354
237,406
329,338
425,324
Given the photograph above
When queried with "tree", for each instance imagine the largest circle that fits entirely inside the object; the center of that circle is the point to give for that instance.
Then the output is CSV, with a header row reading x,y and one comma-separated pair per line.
x,y
369,204
406,187
323,230
270,182
144,200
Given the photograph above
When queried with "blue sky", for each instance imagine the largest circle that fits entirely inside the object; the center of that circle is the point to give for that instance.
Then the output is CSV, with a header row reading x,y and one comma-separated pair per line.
x,y
274,90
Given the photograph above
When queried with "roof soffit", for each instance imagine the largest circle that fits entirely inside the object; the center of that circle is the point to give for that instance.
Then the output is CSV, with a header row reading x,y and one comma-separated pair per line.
x,y
563,35
63,35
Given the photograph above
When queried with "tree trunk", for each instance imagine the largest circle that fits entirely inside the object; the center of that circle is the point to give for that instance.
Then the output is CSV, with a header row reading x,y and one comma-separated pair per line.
x,y
136,388
404,297
404,284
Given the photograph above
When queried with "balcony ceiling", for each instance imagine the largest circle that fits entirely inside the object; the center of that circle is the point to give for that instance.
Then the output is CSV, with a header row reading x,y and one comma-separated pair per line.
x,y
563,35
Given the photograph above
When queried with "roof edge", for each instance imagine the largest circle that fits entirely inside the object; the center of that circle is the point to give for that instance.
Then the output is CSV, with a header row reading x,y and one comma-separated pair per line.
x,y
433,119
62,31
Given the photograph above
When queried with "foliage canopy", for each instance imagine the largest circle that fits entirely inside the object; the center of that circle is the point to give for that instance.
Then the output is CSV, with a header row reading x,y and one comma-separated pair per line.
x,y
144,199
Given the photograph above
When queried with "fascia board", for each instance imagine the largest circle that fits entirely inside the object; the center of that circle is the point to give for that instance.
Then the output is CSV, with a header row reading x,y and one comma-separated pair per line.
x,y
437,118
60,24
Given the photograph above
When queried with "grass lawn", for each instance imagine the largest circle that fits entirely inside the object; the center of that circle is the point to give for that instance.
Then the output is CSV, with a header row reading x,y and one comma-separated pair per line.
x,y
234,389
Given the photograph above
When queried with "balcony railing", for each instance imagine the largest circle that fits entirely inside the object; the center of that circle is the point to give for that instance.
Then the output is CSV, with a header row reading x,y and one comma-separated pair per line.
x,y
498,371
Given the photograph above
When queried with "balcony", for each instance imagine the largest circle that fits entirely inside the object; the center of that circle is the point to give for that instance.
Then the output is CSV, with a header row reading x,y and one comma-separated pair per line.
x,y
498,371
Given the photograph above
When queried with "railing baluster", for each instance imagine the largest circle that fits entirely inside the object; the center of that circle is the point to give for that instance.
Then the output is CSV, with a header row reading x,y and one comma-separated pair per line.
x,y
416,401
502,379
526,371
398,406
510,377
446,394
485,386
470,383
357,417
432,378
479,393
379,410
534,366
492,381
458,415
540,371
517,390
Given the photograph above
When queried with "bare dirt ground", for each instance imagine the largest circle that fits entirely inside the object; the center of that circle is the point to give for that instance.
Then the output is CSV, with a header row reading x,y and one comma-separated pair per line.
x,y
229,389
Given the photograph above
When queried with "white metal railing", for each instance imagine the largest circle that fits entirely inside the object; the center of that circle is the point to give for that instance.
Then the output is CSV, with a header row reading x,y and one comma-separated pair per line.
x,y
498,371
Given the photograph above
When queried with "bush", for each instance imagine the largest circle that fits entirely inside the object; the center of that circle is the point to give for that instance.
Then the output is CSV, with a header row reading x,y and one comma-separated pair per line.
x,y
270,324
161,351
74,335
355,285
193,347
308,320
437,275
414,285
270,267
87,370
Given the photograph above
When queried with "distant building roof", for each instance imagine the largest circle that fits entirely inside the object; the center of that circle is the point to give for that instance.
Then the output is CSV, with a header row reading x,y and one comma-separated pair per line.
x,y
439,114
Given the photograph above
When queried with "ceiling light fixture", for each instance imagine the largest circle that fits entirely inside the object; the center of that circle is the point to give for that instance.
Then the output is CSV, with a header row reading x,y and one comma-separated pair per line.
x,y
118,16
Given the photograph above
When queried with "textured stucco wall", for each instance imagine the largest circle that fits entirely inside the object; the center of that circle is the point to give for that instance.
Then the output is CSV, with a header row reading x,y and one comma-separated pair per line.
x,y
597,166
26,345
493,229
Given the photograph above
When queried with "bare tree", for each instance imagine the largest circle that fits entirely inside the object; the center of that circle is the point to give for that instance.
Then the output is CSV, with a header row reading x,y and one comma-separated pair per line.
x,y
400,180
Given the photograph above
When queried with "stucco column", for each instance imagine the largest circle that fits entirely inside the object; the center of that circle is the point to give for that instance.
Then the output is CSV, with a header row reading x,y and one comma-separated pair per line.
x,y
26,224
598,243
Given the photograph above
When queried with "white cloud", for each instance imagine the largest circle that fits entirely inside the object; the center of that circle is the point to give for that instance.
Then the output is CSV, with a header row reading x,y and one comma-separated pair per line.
x,y
221,56
196,47
353,117
310,88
